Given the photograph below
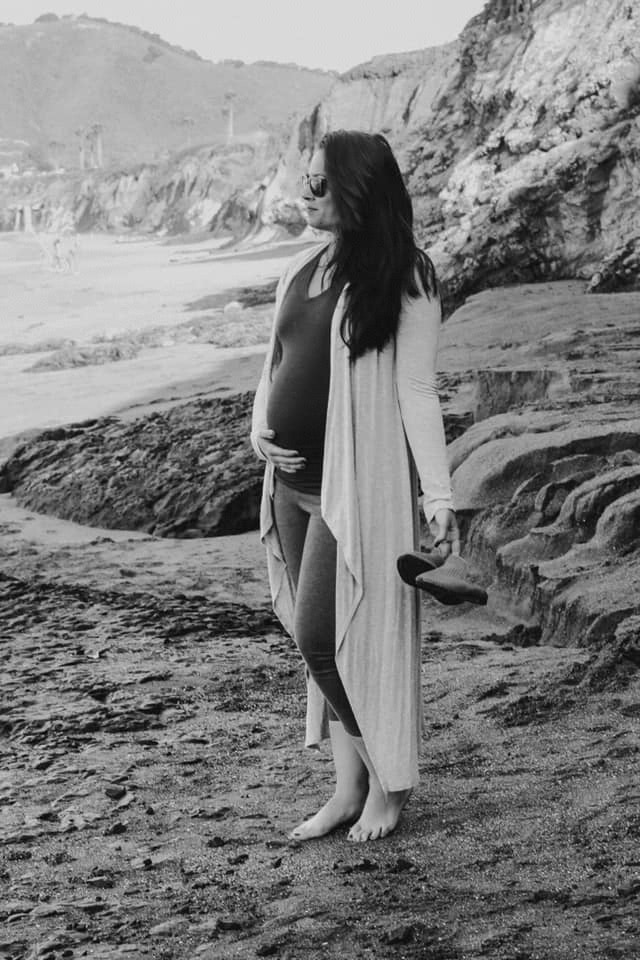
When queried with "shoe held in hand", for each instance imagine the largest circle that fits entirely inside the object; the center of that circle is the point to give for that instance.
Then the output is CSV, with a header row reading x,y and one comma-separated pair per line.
x,y
452,583
411,565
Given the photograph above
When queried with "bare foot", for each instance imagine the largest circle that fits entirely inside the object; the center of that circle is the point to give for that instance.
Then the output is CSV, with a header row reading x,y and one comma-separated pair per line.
x,y
336,812
380,815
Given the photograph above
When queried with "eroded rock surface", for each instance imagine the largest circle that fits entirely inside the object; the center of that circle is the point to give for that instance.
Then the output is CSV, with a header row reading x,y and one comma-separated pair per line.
x,y
518,143
547,478
186,472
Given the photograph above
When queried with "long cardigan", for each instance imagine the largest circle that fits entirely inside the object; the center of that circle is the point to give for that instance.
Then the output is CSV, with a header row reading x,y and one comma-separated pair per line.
x,y
383,422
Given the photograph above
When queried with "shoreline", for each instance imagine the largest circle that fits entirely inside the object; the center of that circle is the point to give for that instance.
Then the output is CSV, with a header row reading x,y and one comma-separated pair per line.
x,y
43,309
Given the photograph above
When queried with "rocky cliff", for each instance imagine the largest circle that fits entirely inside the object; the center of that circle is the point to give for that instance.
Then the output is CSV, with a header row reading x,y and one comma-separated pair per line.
x,y
194,191
527,167
519,142
388,93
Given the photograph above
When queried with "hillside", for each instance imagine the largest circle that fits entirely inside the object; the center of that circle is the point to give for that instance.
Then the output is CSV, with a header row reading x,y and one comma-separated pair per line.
x,y
62,76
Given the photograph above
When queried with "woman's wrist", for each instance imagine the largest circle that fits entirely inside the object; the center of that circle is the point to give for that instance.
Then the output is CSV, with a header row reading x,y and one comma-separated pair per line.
x,y
435,506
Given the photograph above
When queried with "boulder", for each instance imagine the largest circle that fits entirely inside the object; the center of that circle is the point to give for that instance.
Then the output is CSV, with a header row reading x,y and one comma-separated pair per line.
x,y
186,472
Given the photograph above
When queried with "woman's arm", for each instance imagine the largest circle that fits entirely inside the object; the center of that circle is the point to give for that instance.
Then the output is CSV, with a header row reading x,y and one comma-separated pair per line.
x,y
416,352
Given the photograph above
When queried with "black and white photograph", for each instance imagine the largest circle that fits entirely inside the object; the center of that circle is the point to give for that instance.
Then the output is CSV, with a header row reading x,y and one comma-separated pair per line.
x,y
320,480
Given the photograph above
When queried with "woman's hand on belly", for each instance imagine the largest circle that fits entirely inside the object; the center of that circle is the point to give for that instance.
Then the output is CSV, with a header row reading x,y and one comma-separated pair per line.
x,y
288,460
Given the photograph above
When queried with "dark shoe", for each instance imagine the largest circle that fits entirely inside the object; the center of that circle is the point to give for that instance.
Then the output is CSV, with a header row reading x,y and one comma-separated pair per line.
x,y
452,583
411,565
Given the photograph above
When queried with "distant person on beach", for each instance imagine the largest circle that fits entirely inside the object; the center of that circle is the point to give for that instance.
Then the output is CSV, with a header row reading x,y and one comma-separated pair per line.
x,y
348,419
56,255
60,255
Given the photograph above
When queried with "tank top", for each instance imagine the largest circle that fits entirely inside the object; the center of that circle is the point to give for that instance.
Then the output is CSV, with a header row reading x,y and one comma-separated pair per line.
x,y
299,392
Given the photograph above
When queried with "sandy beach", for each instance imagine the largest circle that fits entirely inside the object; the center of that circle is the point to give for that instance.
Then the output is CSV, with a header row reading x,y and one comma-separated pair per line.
x,y
119,288
152,758
118,284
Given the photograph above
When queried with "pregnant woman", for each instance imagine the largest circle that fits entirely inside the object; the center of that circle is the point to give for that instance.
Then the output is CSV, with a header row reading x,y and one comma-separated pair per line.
x,y
348,420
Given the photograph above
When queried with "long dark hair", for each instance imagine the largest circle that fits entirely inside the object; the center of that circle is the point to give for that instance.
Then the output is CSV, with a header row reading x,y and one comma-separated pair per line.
x,y
375,249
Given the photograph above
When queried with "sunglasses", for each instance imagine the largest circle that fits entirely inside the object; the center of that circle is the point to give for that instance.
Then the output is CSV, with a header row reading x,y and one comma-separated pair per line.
x,y
316,183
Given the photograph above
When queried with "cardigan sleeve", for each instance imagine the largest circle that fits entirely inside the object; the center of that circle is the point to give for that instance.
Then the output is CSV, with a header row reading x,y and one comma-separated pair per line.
x,y
416,351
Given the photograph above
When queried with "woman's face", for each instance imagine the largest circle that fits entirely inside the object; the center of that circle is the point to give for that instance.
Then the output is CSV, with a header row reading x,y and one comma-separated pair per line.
x,y
321,211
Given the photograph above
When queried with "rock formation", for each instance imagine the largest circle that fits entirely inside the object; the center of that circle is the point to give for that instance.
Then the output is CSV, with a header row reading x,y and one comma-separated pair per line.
x,y
547,479
526,168
389,93
519,142
196,191
189,472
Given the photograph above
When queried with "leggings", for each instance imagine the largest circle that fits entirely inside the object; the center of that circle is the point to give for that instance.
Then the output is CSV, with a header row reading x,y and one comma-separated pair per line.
x,y
309,550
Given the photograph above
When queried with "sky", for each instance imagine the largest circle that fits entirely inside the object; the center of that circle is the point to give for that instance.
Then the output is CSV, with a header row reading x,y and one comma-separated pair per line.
x,y
328,34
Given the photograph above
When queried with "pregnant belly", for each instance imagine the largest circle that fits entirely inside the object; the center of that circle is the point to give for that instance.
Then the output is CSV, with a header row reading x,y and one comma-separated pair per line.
x,y
297,413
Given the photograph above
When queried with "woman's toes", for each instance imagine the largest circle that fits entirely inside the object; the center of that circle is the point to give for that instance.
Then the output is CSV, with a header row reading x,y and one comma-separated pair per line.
x,y
360,833
379,817
336,812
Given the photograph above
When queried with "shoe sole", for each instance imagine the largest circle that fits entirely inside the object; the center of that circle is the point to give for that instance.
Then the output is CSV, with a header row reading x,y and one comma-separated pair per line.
x,y
453,593
411,565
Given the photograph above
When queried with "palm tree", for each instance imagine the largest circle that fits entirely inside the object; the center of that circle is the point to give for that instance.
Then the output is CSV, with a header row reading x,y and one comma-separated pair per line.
x,y
95,134
227,111
82,154
55,148
189,123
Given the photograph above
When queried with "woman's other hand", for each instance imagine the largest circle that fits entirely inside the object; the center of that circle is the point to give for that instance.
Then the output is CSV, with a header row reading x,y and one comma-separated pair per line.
x,y
446,533
288,460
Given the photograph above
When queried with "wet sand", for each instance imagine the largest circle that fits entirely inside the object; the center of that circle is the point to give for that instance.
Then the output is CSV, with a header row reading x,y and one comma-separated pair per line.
x,y
153,764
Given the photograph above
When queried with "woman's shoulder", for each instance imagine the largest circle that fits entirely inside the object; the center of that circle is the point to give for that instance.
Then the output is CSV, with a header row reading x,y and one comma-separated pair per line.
x,y
294,265
303,256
